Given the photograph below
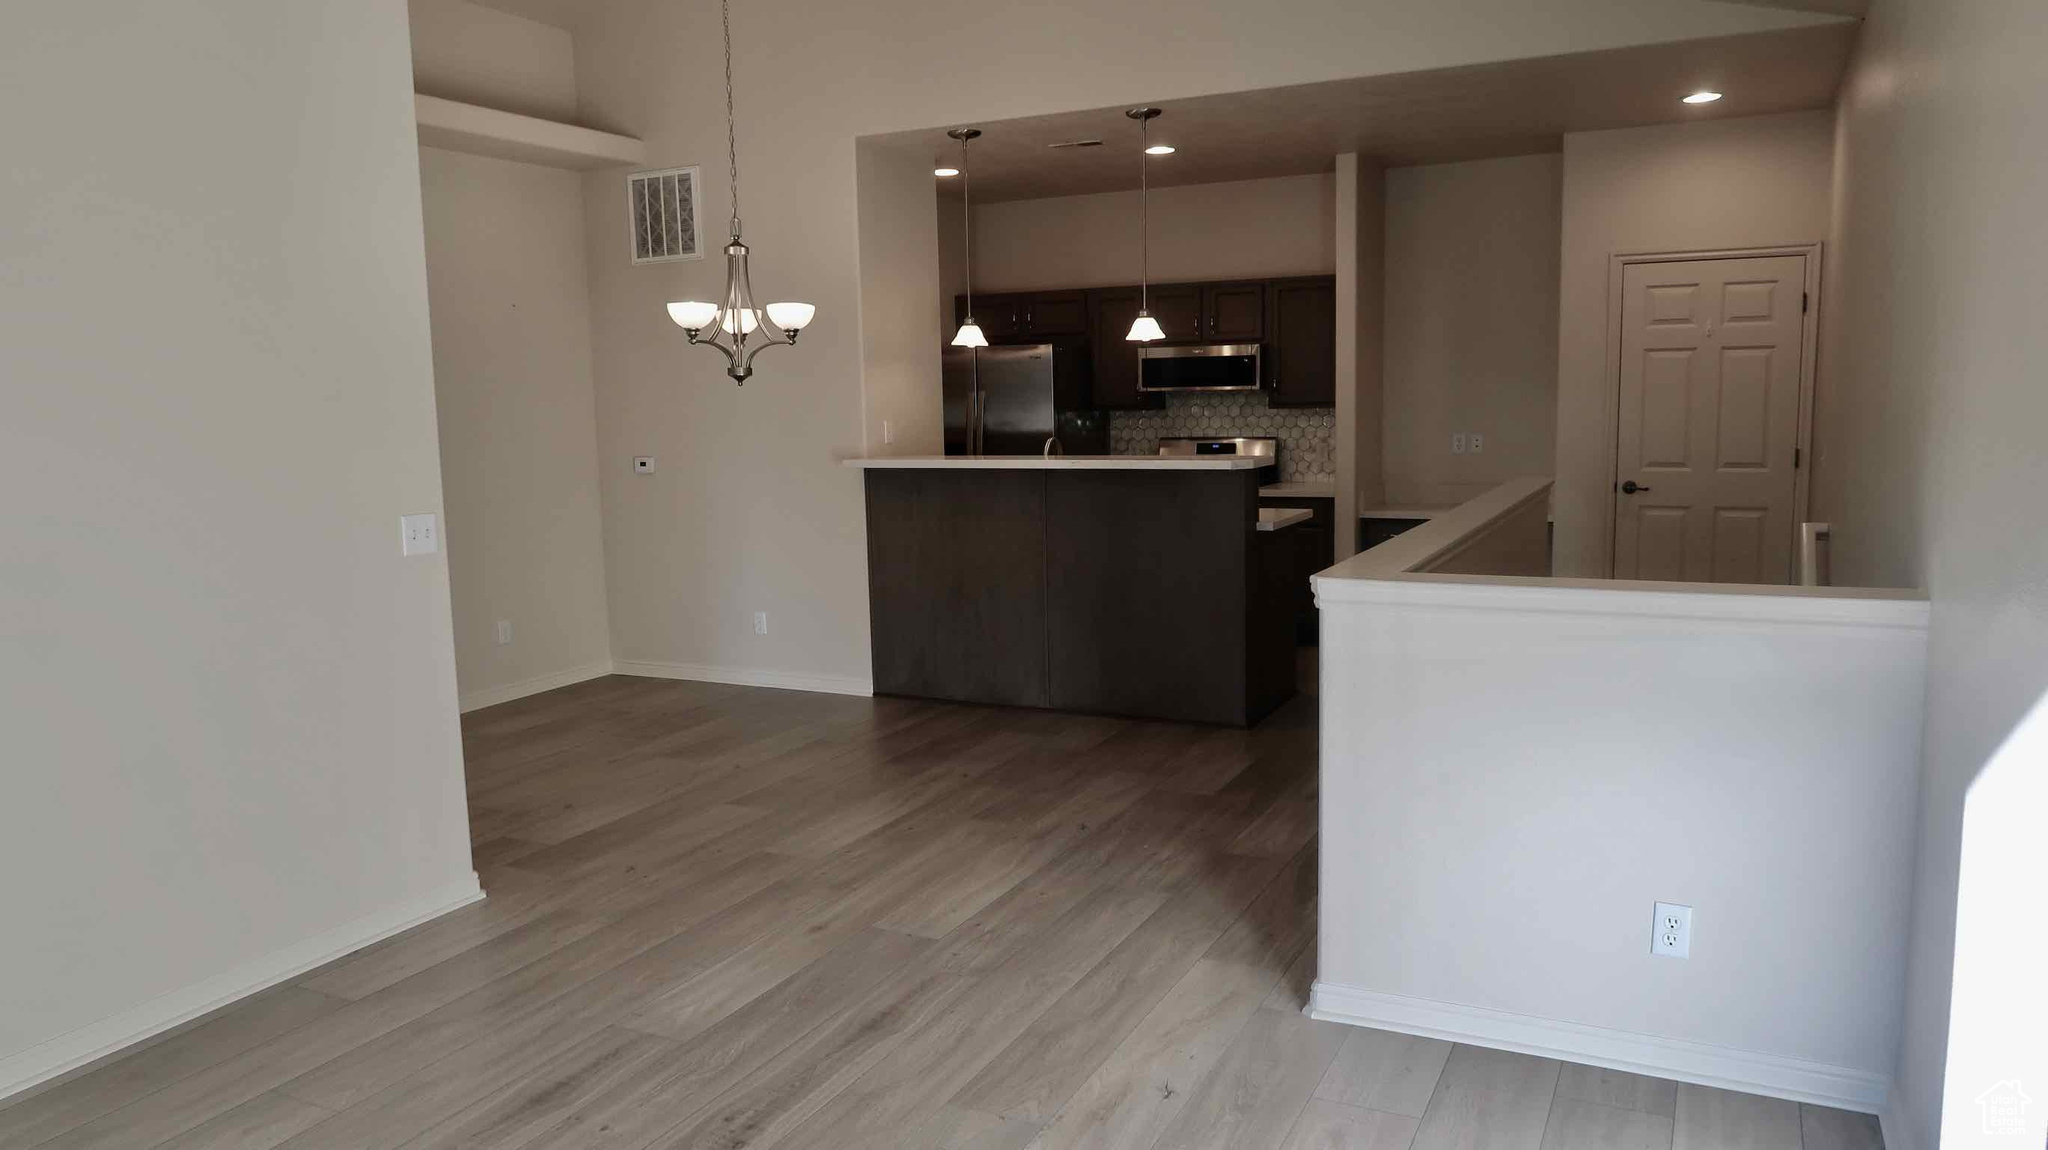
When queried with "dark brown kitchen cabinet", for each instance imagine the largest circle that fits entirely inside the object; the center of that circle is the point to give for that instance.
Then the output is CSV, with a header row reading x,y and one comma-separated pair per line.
x,y
1014,316
1055,313
1178,308
1000,316
1301,351
1115,359
1234,312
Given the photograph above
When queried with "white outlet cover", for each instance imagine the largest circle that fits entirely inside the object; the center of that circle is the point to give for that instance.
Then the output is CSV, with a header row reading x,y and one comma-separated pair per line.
x,y
760,622
1671,931
418,534
503,631
1457,443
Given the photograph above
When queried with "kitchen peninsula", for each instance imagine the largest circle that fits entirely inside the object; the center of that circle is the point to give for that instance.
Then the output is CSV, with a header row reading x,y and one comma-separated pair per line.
x,y
1146,586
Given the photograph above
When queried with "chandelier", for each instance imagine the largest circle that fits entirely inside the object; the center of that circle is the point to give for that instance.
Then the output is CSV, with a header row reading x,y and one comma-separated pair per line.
x,y
739,329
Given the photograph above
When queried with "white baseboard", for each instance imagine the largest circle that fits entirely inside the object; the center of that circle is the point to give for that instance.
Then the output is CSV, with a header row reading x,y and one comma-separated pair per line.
x,y
1748,1071
746,677
492,696
59,1055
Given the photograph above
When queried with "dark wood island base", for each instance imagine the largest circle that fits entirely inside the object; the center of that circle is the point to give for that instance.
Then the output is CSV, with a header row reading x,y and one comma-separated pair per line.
x,y
1077,585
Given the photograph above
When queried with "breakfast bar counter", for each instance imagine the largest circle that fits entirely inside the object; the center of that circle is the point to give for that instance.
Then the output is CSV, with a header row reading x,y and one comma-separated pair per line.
x,y
1124,585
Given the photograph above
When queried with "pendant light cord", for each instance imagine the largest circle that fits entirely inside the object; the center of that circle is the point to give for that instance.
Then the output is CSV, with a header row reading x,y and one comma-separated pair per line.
x,y
732,141
966,227
1144,217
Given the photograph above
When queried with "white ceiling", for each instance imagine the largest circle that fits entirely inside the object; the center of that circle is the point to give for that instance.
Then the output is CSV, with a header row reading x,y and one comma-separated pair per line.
x,y
1511,108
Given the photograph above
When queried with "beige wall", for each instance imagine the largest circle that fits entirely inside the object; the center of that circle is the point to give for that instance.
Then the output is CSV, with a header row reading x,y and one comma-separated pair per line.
x,y
1931,414
759,514
465,51
228,702
506,278
1471,324
898,249
1248,229
1686,187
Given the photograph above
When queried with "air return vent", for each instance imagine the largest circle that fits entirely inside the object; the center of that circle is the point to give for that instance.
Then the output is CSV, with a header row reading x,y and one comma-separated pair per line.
x,y
1076,144
663,208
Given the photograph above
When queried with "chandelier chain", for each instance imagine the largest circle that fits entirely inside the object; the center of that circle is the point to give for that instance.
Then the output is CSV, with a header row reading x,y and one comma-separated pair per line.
x,y
732,143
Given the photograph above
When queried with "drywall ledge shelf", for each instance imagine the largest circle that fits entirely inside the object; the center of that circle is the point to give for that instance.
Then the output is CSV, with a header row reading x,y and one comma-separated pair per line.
x,y
461,127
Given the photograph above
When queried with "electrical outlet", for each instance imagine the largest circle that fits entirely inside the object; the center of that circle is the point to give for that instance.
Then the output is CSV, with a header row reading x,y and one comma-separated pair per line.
x,y
1475,442
1671,932
760,622
1457,443
418,534
503,631
643,465
888,432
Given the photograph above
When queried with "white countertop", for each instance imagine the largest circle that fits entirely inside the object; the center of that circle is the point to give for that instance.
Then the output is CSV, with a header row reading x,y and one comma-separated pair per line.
x,y
1065,462
1274,518
1299,490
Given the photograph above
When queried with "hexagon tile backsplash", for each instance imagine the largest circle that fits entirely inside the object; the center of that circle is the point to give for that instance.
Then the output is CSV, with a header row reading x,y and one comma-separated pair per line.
x,y
1308,451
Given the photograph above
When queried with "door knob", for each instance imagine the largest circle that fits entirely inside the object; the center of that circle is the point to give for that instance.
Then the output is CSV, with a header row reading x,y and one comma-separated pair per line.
x,y
1631,487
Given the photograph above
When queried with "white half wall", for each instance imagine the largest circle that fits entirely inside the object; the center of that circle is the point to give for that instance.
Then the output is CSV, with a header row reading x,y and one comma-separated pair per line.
x,y
1930,416
1750,182
1515,770
518,423
229,704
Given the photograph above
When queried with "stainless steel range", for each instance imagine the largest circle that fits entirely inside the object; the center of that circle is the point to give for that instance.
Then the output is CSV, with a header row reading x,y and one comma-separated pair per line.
x,y
1265,448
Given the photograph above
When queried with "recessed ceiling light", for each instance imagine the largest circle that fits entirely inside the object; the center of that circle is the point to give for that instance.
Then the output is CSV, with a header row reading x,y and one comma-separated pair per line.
x,y
1703,97
1159,150
944,173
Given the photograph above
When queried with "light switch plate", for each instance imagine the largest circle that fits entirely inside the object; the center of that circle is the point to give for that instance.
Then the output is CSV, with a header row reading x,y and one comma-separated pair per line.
x,y
419,534
643,465
1475,442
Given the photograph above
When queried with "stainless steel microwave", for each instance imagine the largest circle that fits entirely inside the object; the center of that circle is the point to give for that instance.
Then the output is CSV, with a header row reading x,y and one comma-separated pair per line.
x,y
1205,367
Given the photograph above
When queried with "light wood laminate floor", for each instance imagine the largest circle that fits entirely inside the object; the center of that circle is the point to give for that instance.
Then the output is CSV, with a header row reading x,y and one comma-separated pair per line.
x,y
733,917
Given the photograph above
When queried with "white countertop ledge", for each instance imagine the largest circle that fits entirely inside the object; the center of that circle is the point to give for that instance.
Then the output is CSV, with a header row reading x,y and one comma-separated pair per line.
x,y
1274,518
1063,462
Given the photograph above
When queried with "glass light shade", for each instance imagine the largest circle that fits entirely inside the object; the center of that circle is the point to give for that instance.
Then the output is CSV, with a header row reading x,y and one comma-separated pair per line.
x,y
1703,97
1145,329
791,316
749,320
691,315
1159,150
969,335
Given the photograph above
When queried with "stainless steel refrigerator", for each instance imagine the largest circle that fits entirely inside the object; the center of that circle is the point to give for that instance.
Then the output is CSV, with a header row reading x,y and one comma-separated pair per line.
x,y
1016,400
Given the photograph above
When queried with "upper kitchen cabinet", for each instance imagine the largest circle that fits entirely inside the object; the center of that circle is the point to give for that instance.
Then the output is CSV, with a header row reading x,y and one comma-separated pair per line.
x,y
1023,316
1115,359
1234,312
1050,313
1178,308
1301,351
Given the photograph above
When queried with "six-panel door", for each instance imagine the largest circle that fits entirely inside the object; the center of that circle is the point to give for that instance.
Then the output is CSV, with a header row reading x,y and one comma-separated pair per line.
x,y
1711,358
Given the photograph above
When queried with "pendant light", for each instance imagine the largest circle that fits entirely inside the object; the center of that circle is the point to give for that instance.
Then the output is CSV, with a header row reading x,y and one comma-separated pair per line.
x,y
745,329
969,334
1144,329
